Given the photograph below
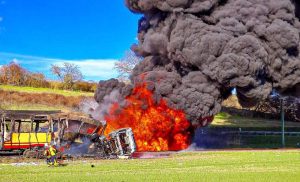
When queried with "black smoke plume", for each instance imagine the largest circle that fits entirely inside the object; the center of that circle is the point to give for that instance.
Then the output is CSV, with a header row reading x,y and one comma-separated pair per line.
x,y
196,51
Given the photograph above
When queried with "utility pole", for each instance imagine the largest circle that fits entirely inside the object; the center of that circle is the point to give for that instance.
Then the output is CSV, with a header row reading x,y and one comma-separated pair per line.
x,y
282,123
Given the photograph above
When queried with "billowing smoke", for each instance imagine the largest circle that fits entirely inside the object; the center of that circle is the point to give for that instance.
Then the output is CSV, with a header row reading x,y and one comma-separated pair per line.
x,y
108,93
196,51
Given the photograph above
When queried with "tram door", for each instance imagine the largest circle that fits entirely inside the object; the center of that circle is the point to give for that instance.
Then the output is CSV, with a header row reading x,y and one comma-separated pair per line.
x,y
5,133
1,134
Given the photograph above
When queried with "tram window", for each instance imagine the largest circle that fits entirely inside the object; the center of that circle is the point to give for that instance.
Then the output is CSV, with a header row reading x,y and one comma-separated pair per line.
x,y
7,127
44,127
16,126
25,127
55,126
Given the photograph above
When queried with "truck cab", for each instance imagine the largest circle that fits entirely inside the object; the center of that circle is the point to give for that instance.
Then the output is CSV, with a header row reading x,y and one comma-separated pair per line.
x,y
122,142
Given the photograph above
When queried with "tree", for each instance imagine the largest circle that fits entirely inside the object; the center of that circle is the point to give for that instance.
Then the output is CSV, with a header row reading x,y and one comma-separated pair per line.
x,y
125,65
68,73
36,80
13,74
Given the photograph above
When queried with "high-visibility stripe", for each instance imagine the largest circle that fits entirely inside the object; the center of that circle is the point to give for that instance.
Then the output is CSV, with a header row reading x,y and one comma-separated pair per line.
x,y
52,151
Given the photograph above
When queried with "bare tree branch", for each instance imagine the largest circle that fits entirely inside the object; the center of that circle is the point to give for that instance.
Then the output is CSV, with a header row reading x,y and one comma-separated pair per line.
x,y
68,73
125,65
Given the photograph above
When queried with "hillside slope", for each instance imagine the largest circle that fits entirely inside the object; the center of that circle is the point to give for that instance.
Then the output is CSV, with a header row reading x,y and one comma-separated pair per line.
x,y
28,98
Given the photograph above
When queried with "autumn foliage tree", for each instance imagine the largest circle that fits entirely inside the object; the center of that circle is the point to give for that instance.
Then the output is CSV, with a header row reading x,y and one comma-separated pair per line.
x,y
14,74
37,80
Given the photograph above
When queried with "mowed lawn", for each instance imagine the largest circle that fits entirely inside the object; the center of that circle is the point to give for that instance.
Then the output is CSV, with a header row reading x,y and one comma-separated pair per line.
x,y
276,165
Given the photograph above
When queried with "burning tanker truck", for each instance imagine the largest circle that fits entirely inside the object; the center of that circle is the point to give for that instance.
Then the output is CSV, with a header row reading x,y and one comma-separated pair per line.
x,y
195,53
81,135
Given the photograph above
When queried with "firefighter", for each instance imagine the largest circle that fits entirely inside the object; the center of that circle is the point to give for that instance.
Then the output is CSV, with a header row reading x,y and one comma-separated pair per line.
x,y
47,155
53,152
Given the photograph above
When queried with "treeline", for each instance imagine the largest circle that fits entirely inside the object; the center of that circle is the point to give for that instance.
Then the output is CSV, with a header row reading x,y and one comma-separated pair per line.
x,y
15,74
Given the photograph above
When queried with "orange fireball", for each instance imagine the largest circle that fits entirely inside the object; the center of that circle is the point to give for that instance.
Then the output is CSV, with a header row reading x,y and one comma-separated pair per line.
x,y
156,126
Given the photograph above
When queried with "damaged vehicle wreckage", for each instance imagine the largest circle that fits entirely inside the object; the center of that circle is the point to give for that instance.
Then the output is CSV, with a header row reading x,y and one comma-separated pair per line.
x,y
27,132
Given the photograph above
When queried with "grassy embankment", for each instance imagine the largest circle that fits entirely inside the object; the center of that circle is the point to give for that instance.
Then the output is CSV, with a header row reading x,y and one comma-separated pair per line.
x,y
29,98
186,166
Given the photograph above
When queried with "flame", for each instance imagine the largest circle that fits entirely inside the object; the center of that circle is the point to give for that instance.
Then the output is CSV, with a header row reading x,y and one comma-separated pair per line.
x,y
156,126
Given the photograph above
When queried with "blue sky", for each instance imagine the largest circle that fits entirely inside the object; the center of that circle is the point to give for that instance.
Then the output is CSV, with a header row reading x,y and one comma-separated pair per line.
x,y
90,33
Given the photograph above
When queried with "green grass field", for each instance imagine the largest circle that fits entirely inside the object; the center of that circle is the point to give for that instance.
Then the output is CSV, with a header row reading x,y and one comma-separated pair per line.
x,y
45,90
186,166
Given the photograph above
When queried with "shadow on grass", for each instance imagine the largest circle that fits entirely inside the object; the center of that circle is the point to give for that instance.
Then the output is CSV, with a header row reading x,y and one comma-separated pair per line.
x,y
62,165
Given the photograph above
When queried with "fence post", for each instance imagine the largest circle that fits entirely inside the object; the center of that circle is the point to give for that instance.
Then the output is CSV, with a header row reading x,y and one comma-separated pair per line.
x,y
282,123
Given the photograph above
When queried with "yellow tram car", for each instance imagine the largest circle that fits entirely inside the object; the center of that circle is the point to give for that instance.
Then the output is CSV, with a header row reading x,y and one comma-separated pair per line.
x,y
25,131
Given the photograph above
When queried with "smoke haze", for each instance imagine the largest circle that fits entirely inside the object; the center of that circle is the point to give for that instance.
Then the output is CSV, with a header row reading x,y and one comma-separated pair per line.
x,y
196,51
